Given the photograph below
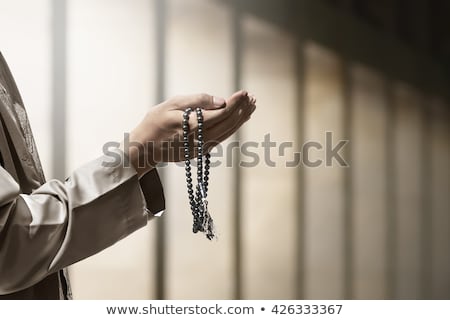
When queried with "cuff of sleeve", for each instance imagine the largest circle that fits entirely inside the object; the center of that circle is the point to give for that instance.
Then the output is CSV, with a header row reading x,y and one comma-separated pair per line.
x,y
153,192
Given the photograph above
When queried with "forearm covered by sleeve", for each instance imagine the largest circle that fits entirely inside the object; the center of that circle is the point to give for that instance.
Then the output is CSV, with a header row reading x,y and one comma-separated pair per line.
x,y
63,222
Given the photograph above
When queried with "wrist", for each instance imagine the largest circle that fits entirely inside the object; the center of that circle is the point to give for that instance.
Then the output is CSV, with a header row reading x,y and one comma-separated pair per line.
x,y
137,155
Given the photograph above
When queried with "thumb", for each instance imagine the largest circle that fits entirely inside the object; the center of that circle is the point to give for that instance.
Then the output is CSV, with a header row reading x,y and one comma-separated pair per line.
x,y
201,100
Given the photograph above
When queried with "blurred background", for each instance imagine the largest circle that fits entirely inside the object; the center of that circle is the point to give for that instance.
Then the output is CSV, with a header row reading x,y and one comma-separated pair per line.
x,y
374,72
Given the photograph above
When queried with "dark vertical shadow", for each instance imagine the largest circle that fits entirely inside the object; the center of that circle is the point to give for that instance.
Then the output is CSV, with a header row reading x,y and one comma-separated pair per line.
x,y
300,192
295,19
59,89
347,122
161,247
236,24
391,248
426,214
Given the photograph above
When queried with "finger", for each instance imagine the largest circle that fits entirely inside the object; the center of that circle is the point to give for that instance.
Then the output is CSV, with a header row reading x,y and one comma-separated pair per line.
x,y
212,117
212,143
233,121
227,128
252,99
201,100
237,125
236,119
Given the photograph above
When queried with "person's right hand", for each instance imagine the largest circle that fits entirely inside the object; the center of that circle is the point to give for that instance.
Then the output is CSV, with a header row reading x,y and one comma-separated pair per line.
x,y
159,135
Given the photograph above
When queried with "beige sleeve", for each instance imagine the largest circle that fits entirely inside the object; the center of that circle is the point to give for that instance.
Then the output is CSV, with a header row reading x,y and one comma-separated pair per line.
x,y
64,222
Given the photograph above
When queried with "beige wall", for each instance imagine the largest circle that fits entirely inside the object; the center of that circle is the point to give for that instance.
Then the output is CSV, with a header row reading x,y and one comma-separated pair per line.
x,y
111,81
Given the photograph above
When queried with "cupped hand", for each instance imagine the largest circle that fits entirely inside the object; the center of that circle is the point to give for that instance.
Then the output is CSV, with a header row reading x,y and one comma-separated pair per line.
x,y
158,137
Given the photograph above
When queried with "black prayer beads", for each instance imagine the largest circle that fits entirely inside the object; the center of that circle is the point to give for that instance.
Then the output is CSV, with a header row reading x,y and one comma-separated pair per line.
x,y
202,220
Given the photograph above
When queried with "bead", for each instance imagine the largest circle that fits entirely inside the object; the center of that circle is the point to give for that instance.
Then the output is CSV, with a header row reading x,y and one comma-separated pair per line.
x,y
201,219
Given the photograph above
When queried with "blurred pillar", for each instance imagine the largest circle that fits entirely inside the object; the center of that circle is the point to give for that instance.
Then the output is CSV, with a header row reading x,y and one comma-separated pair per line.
x,y
408,202
440,205
368,203
59,88
269,185
324,192
160,11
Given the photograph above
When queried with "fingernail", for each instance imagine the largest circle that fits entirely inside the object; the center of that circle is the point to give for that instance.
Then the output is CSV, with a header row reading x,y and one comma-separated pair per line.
x,y
220,102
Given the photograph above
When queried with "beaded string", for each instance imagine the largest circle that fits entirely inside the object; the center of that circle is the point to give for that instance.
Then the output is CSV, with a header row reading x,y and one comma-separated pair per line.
x,y
202,220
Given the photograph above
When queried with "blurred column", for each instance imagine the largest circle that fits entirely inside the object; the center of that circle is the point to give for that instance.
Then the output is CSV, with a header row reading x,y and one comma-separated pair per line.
x,y
59,88
237,39
110,86
408,200
324,184
368,184
199,59
160,7
440,207
269,186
